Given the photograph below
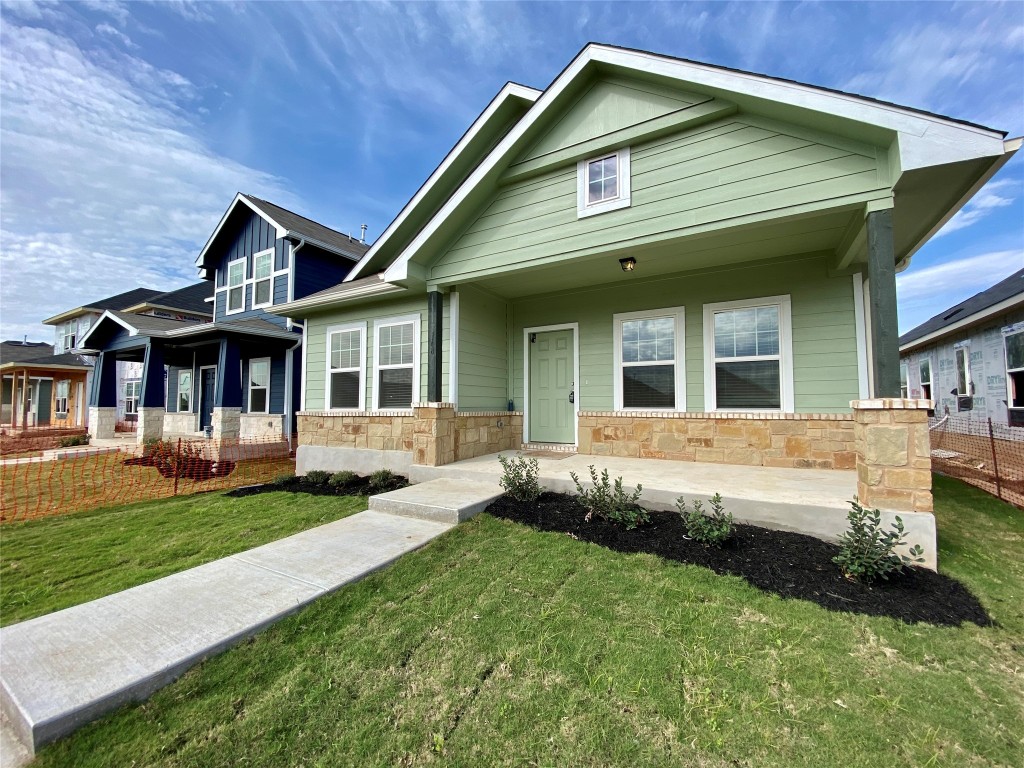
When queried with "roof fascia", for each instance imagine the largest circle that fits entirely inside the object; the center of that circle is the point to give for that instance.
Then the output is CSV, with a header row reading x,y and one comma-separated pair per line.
x,y
510,90
68,314
138,308
239,198
982,314
107,315
293,308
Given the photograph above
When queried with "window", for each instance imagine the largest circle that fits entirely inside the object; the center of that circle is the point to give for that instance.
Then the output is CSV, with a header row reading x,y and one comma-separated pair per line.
x,y
602,183
1013,342
346,387
396,368
964,387
236,286
649,360
184,391
925,371
132,389
904,383
68,338
60,397
262,271
259,385
747,355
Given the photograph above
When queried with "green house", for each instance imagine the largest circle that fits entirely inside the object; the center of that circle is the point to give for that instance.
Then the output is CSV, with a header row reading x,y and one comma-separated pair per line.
x,y
651,257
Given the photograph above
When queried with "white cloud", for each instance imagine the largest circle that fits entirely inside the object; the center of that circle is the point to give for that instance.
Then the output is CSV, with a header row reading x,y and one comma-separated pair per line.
x,y
105,185
991,197
109,31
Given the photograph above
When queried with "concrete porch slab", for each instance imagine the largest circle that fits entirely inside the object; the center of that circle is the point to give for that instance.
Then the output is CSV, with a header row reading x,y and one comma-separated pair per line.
x,y
65,669
444,499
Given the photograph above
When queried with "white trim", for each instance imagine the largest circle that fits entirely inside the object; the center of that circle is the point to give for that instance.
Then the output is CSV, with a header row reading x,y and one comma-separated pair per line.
x,y
926,358
239,198
785,355
303,374
199,400
678,315
453,348
248,388
347,293
575,328
359,325
228,287
904,379
862,341
132,331
417,352
509,90
621,200
271,252
191,388
977,317
292,250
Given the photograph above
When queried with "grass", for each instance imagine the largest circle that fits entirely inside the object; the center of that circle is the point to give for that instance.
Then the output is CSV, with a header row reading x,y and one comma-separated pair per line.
x,y
46,565
499,645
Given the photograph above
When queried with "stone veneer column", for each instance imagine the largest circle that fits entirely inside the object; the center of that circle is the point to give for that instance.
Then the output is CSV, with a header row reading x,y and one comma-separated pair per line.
x,y
893,454
433,442
102,422
227,423
150,425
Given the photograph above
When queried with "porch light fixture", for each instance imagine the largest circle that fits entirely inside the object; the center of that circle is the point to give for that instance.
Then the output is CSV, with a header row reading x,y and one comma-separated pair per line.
x,y
627,264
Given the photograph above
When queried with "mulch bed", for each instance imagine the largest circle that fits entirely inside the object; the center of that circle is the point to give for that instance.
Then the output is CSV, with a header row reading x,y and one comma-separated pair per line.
x,y
361,486
790,565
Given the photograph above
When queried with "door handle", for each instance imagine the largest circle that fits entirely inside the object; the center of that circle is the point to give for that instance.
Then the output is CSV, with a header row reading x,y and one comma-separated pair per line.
x,y
572,396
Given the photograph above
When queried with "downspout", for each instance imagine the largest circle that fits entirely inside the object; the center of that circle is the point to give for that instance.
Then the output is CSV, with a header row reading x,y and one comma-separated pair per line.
x,y
294,249
289,383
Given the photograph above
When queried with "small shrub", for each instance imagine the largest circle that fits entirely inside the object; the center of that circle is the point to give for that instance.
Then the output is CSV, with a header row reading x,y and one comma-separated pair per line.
x,y
709,528
343,479
286,479
610,501
867,552
520,478
384,480
318,477
72,440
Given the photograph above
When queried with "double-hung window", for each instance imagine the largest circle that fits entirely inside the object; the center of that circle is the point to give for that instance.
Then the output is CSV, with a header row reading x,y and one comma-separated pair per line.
x,y
602,183
236,286
68,340
964,386
1013,341
346,387
60,397
262,275
904,380
132,389
259,385
748,361
925,372
649,357
184,391
396,363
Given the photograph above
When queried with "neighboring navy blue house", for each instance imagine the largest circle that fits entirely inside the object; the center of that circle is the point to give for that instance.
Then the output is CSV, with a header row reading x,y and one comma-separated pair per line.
x,y
239,375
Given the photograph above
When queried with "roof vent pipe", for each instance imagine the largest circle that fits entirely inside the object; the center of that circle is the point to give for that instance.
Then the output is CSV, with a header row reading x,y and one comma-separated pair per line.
x,y
362,233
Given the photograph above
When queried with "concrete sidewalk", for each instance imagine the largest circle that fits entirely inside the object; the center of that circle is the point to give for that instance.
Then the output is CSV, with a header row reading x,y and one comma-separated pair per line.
x,y
64,669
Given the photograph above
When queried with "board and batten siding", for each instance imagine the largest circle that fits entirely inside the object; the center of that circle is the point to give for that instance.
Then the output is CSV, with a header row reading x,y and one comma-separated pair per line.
x,y
740,166
483,351
825,373
250,236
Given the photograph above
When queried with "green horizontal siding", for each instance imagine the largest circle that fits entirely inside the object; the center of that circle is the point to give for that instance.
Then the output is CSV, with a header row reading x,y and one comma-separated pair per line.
x,y
483,351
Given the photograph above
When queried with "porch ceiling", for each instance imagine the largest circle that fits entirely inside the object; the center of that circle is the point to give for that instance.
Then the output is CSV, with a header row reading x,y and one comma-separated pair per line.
x,y
808,234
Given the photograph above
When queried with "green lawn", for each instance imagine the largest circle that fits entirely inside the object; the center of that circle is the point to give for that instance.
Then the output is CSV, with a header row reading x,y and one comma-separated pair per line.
x,y
498,645
54,563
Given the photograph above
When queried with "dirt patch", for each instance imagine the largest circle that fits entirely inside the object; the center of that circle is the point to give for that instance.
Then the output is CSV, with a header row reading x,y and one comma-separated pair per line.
x,y
360,486
790,565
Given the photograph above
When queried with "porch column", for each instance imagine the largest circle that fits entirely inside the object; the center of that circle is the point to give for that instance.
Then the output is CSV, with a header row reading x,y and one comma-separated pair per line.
x,y
885,351
151,398
433,441
24,399
14,399
434,336
103,396
227,398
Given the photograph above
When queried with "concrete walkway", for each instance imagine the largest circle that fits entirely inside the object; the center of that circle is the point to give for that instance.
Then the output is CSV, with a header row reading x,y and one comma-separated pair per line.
x,y
64,669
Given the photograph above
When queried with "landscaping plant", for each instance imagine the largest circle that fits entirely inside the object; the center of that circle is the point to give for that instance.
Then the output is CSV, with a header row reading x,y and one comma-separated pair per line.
x,y
610,501
72,440
519,478
708,528
343,479
867,552
318,477
384,480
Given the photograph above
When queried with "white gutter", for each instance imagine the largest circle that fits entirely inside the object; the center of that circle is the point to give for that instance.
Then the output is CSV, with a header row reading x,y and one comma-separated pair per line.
x,y
340,297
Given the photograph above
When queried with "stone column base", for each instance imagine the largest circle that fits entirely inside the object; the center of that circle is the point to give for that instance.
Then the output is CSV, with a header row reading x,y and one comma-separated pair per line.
x,y
150,425
102,422
433,440
227,423
894,466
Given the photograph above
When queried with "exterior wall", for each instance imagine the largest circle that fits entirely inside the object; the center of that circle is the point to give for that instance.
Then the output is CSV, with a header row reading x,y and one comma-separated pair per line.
x,y
260,425
821,441
181,423
74,401
126,372
381,431
825,373
483,433
277,380
988,369
242,238
483,351
317,269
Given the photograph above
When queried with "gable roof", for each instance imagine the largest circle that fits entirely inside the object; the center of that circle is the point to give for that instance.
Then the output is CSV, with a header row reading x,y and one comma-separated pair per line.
x,y
18,354
288,224
1004,295
118,302
191,299
922,139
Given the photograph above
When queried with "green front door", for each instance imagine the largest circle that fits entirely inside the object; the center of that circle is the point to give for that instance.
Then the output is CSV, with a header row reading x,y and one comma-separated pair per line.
x,y
552,379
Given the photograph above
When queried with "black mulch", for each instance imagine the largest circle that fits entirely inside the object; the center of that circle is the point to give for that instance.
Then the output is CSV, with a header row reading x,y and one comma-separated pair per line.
x,y
361,486
790,565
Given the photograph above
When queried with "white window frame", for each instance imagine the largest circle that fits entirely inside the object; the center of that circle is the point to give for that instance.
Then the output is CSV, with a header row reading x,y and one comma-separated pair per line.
x,y
69,335
622,200
965,347
132,383
678,315
191,389
328,370
57,397
417,352
249,387
227,291
931,377
1007,333
268,279
904,379
785,355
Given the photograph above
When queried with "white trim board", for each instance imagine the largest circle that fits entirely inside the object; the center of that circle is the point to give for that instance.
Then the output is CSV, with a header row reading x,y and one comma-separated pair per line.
x,y
678,314
356,325
417,353
575,328
453,348
863,387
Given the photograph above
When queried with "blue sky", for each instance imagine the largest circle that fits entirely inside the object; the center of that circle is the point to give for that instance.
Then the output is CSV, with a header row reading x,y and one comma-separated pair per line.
x,y
126,128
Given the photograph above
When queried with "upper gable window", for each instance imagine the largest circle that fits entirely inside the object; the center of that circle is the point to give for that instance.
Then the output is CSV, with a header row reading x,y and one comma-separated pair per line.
x,y
236,286
262,275
602,183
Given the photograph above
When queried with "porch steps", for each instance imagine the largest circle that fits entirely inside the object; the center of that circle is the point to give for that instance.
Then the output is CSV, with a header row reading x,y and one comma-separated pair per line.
x,y
443,500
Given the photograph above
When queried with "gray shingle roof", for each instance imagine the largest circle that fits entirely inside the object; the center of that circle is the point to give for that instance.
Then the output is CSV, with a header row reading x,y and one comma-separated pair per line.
x,y
309,228
37,353
124,300
191,298
1001,291
149,324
